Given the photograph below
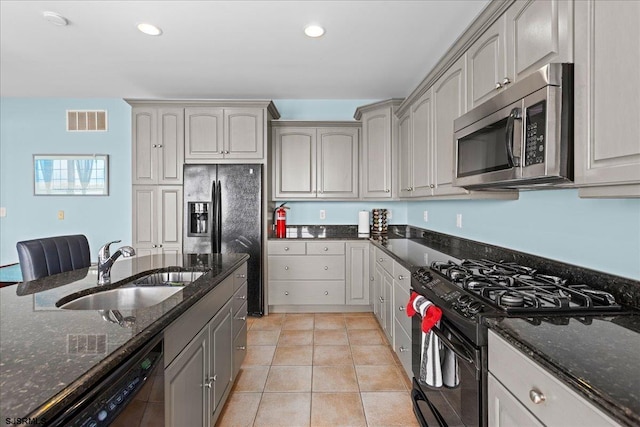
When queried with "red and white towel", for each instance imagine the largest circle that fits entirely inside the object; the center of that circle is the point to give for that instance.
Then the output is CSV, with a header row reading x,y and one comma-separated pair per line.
x,y
438,364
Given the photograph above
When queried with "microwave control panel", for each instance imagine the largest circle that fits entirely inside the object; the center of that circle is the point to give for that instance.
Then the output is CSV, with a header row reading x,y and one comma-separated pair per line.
x,y
535,126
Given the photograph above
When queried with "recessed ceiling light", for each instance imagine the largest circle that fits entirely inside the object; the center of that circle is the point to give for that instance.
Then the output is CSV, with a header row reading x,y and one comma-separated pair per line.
x,y
55,18
149,29
314,30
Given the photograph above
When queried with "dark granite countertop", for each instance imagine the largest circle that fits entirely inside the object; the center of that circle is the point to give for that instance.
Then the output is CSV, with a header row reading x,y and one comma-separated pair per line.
x,y
597,356
50,356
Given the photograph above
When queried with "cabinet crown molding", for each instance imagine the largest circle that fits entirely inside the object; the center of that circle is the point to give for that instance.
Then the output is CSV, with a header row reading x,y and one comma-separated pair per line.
x,y
311,123
255,103
393,103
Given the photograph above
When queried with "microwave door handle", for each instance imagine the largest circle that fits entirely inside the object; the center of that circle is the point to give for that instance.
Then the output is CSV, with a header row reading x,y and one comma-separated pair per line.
x,y
515,115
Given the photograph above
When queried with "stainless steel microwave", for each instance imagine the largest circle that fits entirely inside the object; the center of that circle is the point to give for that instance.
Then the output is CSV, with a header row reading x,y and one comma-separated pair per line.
x,y
521,137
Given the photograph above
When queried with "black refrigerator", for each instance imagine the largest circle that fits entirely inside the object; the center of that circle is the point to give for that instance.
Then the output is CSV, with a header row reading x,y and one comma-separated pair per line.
x,y
223,214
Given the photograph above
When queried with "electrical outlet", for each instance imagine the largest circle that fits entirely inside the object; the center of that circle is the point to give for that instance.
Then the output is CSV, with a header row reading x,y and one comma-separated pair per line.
x,y
60,215
389,215
323,214
3,212
459,220
426,216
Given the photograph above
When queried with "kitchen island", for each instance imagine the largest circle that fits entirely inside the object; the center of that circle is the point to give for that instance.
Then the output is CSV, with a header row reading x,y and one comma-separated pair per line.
x,y
49,357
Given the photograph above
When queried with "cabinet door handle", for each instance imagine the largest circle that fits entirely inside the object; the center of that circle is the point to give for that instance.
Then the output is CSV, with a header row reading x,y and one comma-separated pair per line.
x,y
386,190
326,268
286,292
403,349
381,259
159,246
241,318
326,292
431,186
241,276
325,249
381,300
506,81
536,396
498,85
159,145
241,347
207,383
286,249
242,297
286,267
401,308
401,277
371,279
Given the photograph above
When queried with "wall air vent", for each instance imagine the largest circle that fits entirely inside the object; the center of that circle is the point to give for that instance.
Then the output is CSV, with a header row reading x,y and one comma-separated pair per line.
x,y
86,343
86,120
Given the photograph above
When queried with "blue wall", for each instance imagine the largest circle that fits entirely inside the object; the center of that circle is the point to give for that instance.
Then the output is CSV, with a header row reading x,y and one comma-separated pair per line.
x,y
599,234
37,126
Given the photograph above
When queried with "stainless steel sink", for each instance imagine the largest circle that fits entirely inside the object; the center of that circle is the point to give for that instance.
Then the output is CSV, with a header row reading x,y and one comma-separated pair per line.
x,y
127,298
169,278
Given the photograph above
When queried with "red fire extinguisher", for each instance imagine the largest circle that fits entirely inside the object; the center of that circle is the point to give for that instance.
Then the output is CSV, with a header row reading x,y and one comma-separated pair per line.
x,y
281,221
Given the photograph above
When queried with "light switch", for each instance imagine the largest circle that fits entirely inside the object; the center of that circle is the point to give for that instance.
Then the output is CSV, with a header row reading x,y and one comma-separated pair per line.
x,y
459,220
426,216
60,214
3,212
323,214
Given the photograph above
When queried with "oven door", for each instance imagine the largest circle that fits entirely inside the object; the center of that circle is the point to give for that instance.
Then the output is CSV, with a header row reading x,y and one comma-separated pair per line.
x,y
459,406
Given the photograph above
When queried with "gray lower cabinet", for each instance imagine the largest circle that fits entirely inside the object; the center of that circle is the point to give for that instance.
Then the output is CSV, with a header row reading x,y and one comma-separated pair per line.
x,y
521,392
203,351
607,98
357,273
316,161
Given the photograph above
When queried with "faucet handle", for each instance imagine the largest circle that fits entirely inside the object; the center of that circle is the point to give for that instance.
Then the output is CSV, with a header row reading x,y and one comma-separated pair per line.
x,y
104,252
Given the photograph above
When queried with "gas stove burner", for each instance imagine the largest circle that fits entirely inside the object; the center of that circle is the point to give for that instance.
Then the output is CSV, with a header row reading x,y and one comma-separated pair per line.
x,y
423,274
510,299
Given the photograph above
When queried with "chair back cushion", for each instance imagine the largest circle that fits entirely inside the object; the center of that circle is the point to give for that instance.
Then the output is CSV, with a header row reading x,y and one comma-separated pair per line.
x,y
52,255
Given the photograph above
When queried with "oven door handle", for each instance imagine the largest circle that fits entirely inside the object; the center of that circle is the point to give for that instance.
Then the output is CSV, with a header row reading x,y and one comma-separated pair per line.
x,y
515,115
459,351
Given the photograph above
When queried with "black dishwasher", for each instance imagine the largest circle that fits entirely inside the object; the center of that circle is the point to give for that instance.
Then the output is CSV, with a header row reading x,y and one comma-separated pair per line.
x,y
103,402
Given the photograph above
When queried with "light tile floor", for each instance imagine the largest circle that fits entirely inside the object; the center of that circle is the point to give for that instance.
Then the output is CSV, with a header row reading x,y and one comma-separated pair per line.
x,y
323,369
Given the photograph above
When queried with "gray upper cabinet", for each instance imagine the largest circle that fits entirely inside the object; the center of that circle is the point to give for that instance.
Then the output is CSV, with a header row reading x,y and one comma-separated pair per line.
x,y
295,162
158,145
315,162
538,32
337,163
487,64
421,137
226,130
379,131
204,133
607,98
450,102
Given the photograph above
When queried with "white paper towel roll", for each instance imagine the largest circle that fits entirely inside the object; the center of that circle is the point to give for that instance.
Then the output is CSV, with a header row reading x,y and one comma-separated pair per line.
x,y
363,222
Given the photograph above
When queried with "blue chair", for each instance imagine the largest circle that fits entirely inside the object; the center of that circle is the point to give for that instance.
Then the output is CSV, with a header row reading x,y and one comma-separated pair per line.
x,y
52,255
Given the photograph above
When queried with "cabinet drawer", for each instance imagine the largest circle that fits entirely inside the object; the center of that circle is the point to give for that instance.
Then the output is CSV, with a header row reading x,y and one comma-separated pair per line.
x,y
401,276
325,248
239,298
384,260
287,247
239,319
520,375
400,299
240,277
311,292
311,267
402,347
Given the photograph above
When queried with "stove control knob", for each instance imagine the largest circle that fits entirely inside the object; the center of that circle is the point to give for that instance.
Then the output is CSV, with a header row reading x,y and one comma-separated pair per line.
x,y
464,300
474,307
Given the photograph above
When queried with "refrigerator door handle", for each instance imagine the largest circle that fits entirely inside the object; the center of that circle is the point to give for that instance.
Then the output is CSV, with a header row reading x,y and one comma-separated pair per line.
x,y
214,220
219,217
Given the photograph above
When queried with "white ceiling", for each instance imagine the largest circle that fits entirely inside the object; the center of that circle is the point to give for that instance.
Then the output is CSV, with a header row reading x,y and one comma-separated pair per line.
x,y
226,49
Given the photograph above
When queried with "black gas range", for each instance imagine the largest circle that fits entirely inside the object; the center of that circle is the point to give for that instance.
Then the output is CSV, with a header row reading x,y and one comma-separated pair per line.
x,y
468,291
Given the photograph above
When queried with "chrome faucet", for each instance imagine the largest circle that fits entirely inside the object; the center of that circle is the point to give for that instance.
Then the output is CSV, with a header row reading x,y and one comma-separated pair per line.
x,y
106,260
